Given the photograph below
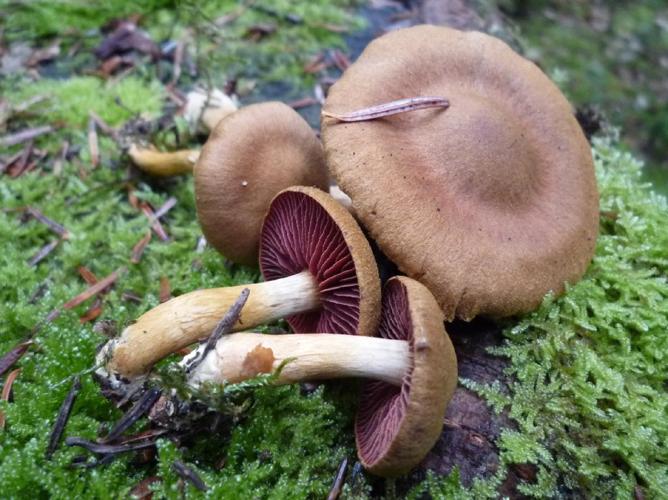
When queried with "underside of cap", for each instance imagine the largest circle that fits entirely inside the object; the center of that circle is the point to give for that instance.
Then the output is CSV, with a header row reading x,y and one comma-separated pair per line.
x,y
491,202
397,426
250,156
307,230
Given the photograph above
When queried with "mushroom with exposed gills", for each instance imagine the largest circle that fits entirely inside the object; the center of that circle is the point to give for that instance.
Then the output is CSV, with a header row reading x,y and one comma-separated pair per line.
x,y
321,276
249,157
411,365
491,202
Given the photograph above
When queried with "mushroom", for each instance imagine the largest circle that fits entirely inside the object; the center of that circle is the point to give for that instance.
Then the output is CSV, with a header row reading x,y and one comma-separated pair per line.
x,y
250,156
321,275
492,202
208,108
411,364
202,107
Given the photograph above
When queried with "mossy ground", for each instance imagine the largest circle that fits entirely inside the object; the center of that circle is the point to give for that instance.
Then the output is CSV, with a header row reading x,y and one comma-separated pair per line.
x,y
589,369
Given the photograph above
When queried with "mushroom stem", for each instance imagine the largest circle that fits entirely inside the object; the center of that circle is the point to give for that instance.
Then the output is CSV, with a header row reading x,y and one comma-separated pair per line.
x,y
309,356
163,164
185,319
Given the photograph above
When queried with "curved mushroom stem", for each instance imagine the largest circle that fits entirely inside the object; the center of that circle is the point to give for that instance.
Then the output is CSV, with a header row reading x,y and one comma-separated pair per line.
x,y
309,356
185,319
163,164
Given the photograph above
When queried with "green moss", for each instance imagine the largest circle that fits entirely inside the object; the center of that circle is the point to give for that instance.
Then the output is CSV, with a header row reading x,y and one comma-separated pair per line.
x,y
70,101
39,18
607,54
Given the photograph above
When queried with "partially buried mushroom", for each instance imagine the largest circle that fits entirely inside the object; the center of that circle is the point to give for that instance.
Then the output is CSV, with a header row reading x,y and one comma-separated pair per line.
x,y
492,202
412,367
321,275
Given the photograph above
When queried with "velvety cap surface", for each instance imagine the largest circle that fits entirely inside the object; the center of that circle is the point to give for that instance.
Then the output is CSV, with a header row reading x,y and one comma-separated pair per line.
x,y
397,426
306,229
491,202
249,157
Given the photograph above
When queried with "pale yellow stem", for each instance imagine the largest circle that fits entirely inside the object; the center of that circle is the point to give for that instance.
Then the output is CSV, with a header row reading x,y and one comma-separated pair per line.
x,y
310,356
185,319
163,164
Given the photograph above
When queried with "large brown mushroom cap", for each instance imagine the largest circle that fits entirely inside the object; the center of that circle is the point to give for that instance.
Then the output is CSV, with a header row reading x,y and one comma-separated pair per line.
x,y
492,202
250,156
397,426
307,230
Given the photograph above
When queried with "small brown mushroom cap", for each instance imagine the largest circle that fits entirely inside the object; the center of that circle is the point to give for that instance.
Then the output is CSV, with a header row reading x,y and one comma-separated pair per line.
x,y
490,203
307,230
250,156
396,427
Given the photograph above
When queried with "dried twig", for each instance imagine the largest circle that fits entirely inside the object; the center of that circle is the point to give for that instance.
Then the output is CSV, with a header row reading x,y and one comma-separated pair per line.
x,y
16,353
93,311
6,392
51,224
341,60
389,109
165,290
63,417
187,474
338,480
224,326
24,135
62,157
303,103
165,207
140,246
87,275
155,223
94,290
43,252
142,405
93,144
109,449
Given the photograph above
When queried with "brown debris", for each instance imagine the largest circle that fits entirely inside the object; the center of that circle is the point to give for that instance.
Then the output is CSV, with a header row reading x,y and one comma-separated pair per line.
x,y
93,144
93,311
259,31
165,290
338,480
45,54
21,164
7,391
303,102
15,353
87,275
97,288
127,37
142,491
102,125
24,135
43,253
140,246
155,223
188,474
315,64
62,418
341,60
62,157
166,207
51,224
